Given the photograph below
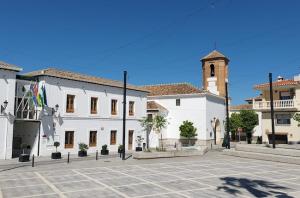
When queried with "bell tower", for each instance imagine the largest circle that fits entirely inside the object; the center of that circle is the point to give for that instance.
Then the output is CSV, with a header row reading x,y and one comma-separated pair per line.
x,y
215,72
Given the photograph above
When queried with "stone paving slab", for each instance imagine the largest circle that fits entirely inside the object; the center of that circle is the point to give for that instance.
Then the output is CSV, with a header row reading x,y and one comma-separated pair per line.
x,y
182,185
99,193
20,182
213,175
77,186
26,191
64,178
141,189
121,181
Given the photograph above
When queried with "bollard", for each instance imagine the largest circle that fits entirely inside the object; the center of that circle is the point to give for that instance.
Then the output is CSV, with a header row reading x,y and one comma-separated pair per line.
x,y
32,160
68,157
97,155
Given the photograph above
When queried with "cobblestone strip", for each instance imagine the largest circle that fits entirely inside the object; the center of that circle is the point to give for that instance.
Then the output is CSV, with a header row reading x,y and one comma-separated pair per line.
x,y
103,184
50,185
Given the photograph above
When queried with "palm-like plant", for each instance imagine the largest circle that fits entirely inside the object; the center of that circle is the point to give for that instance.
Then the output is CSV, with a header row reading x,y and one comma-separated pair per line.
x,y
159,123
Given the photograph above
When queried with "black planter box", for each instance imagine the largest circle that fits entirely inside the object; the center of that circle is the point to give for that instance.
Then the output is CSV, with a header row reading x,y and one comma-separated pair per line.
x,y
56,155
23,158
138,149
104,152
82,153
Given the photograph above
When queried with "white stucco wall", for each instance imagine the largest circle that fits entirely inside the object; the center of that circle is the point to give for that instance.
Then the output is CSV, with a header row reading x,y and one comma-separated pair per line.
x,y
257,131
7,92
215,108
197,108
81,121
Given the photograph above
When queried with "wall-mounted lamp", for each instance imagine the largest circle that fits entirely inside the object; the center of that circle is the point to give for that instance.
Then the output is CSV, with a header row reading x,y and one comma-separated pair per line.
x,y
55,109
4,106
213,122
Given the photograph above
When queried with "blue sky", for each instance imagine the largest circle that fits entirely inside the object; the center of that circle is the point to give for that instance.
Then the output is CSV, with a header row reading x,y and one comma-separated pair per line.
x,y
155,41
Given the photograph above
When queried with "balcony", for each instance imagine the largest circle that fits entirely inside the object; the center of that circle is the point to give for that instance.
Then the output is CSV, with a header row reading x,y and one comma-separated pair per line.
x,y
25,111
278,104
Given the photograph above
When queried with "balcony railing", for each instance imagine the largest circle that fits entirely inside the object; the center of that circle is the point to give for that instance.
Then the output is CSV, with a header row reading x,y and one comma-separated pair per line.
x,y
278,104
25,111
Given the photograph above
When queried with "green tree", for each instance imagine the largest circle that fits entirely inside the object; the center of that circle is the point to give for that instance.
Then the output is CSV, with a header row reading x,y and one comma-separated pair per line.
x,y
159,123
297,118
187,130
249,120
235,122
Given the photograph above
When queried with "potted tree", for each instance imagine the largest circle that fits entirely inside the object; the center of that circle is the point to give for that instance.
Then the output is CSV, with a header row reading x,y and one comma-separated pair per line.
x,y
104,150
24,157
188,130
82,150
56,155
120,148
139,141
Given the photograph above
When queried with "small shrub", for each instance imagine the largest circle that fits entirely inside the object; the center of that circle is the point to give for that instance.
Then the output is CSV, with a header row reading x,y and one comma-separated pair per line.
x,y
121,147
104,147
56,144
83,147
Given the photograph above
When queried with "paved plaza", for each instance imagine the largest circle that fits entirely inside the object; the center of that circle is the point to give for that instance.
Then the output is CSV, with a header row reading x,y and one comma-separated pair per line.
x,y
212,175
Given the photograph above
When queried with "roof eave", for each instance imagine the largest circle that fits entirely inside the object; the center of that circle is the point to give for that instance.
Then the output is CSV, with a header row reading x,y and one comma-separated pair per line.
x,y
43,74
266,87
12,69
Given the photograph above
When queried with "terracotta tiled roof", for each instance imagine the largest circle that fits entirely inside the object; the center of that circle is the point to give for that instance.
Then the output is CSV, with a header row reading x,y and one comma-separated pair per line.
x,y
172,89
152,105
277,84
214,54
254,98
11,67
241,107
81,77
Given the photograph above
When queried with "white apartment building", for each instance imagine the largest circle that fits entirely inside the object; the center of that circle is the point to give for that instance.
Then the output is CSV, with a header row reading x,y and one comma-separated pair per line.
x,y
286,95
79,108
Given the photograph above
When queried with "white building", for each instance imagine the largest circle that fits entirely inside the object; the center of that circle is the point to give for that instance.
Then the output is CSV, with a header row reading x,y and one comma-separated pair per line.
x,y
7,97
79,109
183,101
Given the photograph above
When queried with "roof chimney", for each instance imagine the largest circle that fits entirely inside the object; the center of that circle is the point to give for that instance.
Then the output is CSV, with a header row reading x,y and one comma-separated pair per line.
x,y
279,78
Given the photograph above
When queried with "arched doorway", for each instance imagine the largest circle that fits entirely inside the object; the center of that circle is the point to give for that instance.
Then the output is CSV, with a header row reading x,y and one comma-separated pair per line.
x,y
218,132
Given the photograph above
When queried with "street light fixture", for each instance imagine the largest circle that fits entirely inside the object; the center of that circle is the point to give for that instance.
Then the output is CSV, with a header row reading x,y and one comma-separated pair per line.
x,y
4,106
55,109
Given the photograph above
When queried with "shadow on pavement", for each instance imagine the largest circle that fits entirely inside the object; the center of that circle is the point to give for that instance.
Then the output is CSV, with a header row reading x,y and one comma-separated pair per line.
x,y
257,188
11,168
